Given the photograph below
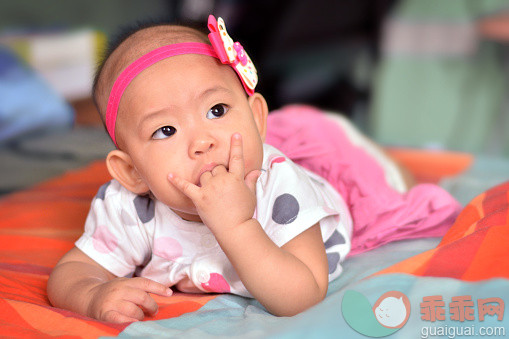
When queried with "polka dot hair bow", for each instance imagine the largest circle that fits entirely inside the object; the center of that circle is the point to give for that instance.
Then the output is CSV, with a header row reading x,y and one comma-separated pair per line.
x,y
232,53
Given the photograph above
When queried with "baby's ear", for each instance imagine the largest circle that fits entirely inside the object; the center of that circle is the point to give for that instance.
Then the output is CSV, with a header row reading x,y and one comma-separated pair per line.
x,y
260,111
121,168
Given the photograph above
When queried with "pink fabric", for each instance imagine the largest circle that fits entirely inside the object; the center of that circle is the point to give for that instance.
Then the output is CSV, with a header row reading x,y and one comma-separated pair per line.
x,y
380,214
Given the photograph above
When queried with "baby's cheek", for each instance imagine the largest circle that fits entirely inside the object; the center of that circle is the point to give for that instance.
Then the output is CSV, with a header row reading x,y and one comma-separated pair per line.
x,y
167,193
249,165
252,165
254,162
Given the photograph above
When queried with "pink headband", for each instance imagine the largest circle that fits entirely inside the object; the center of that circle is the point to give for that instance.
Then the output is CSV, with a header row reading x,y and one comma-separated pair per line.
x,y
223,48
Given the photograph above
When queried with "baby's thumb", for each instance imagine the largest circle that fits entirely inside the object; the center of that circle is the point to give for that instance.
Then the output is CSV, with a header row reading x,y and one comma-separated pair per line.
x,y
251,179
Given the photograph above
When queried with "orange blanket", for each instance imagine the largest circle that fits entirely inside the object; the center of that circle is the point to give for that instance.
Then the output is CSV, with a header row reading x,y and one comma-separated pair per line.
x,y
475,247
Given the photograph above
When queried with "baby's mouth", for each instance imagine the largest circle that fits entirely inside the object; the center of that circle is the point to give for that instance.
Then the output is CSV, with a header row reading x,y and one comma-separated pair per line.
x,y
208,167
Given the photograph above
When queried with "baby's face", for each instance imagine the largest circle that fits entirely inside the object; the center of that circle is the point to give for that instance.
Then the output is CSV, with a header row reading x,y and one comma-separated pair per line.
x,y
178,116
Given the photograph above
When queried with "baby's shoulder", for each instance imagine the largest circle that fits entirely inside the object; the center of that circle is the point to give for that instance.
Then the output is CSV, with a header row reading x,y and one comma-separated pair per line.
x,y
276,165
279,172
113,190
114,196
116,203
273,156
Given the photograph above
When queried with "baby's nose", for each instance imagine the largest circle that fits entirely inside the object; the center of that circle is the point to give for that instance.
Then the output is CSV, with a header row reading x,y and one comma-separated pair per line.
x,y
202,146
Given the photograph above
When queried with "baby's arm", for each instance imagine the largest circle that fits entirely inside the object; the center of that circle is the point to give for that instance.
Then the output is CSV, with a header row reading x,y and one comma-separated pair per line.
x,y
285,280
79,284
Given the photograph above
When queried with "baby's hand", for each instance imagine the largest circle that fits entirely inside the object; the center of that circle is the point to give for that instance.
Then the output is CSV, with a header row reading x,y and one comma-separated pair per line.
x,y
226,198
125,299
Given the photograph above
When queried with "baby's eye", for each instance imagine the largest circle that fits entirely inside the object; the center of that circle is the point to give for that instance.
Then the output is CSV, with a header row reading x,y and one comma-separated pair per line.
x,y
217,111
164,132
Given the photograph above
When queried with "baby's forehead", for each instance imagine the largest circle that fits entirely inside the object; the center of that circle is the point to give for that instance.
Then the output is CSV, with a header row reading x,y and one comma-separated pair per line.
x,y
149,39
137,45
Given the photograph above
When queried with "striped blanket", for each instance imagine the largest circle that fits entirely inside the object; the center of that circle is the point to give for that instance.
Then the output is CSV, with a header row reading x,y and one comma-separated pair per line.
x,y
475,247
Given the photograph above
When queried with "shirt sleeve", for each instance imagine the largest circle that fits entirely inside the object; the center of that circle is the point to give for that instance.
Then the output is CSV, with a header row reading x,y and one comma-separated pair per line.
x,y
114,235
289,201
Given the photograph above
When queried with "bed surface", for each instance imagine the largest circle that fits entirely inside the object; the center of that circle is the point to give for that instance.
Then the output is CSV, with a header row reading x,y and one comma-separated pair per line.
x,y
35,232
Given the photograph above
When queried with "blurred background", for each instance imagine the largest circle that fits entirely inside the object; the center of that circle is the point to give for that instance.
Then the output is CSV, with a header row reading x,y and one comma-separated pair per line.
x,y
409,73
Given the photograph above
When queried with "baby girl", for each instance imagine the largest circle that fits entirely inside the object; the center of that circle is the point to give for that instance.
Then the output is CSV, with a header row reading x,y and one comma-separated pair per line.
x,y
198,200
